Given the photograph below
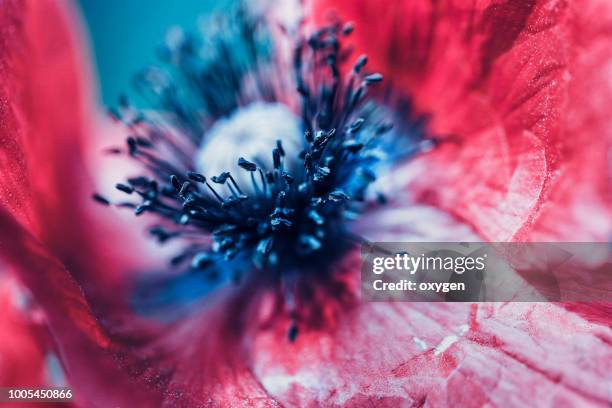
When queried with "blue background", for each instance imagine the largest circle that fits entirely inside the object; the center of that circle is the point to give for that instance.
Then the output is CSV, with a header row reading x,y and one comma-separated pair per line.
x,y
124,35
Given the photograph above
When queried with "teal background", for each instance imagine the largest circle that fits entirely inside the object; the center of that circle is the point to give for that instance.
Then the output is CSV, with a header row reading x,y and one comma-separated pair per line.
x,y
125,33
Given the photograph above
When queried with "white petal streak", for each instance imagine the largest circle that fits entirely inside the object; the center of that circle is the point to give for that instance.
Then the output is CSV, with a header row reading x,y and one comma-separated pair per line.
x,y
414,223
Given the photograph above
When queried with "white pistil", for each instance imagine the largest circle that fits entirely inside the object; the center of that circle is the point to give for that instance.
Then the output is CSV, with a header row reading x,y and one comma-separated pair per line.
x,y
251,133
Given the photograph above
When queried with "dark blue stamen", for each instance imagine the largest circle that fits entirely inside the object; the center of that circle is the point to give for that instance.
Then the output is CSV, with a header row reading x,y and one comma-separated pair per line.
x,y
373,78
140,209
292,333
276,157
98,198
125,188
197,177
279,147
247,165
221,178
174,181
361,62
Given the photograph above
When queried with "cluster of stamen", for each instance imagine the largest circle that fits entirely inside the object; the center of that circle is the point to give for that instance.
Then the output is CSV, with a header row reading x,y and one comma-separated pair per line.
x,y
293,217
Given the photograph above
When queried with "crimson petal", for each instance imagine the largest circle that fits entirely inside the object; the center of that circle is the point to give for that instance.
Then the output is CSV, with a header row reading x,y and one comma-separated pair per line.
x,y
44,120
440,354
21,354
522,91
46,125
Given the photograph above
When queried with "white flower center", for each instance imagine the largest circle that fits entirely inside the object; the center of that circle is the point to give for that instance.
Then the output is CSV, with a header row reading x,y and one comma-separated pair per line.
x,y
251,133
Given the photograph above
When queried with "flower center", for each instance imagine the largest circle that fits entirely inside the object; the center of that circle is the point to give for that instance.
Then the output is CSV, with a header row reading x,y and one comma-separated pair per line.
x,y
267,188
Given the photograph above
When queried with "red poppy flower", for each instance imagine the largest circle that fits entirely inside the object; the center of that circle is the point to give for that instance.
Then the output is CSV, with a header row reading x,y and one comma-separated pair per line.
x,y
518,94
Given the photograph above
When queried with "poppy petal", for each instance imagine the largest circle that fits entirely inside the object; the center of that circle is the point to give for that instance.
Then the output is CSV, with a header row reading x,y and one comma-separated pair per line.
x,y
45,113
93,360
21,355
522,94
443,354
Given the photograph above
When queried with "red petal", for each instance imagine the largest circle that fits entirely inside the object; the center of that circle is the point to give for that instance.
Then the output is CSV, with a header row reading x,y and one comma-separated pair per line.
x,y
21,355
94,361
442,354
390,355
42,104
45,120
523,88
582,193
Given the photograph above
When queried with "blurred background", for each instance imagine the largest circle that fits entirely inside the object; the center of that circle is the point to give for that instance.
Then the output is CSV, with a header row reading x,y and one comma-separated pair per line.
x,y
125,34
